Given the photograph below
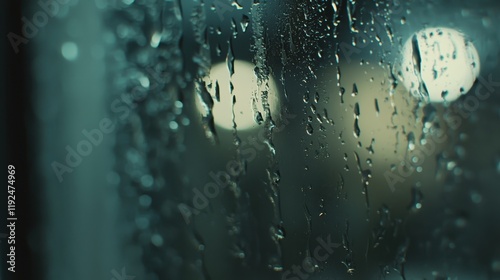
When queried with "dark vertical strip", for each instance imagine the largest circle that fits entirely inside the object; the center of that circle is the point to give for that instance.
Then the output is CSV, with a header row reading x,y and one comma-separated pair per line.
x,y
15,85
3,127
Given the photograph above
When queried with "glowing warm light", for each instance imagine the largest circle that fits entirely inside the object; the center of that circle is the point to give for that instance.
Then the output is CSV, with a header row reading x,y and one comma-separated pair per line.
x,y
245,90
439,64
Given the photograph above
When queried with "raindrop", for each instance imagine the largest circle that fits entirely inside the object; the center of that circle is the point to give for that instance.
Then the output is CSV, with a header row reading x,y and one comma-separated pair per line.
x,y
309,129
357,130
305,98
339,75
327,119
348,262
173,125
237,252
320,120
275,264
155,39
322,207
230,59
144,81
341,94
337,51
236,5
276,267
451,165
233,27
313,109
218,50
310,265
244,22
416,198
217,91
276,178
411,141
390,34
258,118
356,110
354,90
370,148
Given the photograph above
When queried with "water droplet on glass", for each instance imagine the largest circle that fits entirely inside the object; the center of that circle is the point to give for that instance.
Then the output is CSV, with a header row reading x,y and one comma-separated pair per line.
x,y
416,198
244,22
309,129
356,110
305,97
354,90
258,118
316,97
155,39
357,130
341,94
411,141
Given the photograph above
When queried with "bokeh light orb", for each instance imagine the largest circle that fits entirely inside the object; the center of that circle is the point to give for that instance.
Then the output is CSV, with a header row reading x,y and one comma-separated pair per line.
x,y
246,91
439,64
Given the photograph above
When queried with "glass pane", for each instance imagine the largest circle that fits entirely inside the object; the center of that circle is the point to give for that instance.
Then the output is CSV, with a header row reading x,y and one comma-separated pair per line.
x,y
240,139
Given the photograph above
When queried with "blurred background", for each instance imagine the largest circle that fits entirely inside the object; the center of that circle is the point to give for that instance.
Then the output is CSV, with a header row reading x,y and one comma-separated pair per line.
x,y
247,139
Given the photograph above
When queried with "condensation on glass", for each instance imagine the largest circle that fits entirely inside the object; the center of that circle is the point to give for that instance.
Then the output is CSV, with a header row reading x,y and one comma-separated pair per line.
x,y
335,139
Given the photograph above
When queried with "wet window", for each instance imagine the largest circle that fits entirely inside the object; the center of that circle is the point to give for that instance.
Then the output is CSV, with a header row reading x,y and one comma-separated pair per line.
x,y
247,139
